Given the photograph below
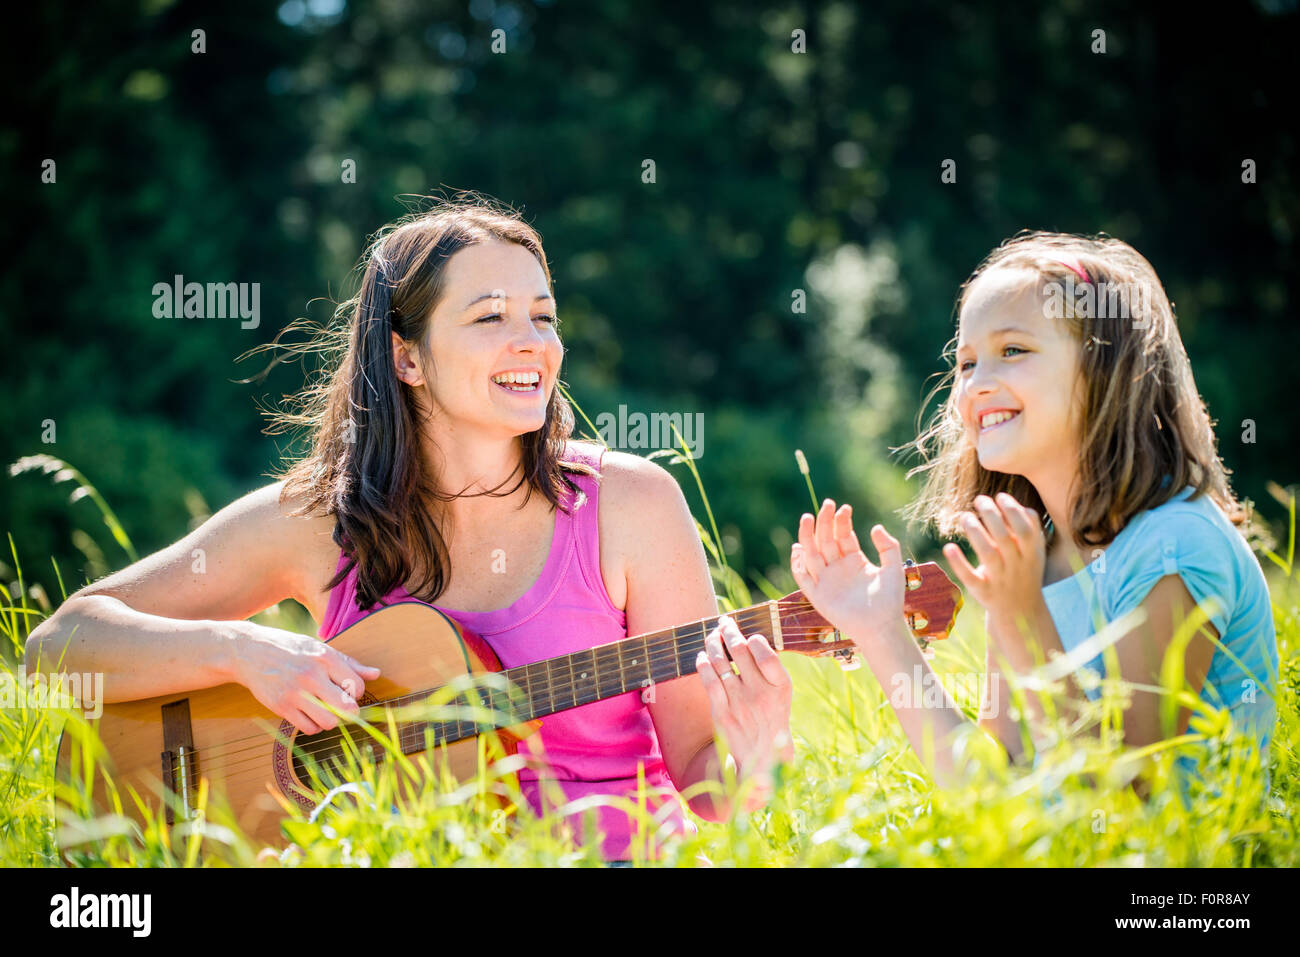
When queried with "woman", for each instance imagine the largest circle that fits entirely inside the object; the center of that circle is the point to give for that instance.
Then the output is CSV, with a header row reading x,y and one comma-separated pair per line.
x,y
441,468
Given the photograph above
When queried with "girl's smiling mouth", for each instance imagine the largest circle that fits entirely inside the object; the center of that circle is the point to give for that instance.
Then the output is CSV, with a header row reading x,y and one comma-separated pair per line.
x,y
993,418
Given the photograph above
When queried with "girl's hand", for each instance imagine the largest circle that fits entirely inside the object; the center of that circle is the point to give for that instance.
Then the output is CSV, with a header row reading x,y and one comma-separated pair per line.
x,y
750,710
855,596
1009,542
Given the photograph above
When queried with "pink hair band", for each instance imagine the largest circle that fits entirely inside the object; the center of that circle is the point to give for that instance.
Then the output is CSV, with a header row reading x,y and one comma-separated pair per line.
x,y
1075,268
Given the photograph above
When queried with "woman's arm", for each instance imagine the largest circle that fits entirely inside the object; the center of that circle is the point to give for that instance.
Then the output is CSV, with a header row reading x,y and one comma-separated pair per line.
x,y
655,555
173,621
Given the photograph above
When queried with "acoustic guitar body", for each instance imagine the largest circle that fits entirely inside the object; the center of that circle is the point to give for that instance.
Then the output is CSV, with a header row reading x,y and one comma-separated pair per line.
x,y
162,747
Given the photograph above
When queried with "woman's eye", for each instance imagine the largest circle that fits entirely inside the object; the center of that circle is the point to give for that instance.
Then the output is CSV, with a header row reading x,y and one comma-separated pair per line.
x,y
966,365
1006,349
496,316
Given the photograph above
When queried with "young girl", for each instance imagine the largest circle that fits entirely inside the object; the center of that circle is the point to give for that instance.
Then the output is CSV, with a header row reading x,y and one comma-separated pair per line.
x,y
1077,458
442,468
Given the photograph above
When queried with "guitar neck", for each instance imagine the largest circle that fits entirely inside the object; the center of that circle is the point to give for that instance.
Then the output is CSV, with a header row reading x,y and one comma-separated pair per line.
x,y
518,695
557,684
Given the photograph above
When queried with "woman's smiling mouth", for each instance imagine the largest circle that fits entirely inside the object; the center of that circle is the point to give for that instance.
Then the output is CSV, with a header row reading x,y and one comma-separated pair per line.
x,y
523,381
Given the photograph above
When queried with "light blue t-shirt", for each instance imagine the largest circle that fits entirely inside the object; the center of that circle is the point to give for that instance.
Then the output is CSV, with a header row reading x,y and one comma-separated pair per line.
x,y
1194,539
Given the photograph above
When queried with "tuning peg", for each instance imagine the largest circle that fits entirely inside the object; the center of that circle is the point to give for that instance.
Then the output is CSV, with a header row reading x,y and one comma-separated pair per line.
x,y
912,573
848,659
916,621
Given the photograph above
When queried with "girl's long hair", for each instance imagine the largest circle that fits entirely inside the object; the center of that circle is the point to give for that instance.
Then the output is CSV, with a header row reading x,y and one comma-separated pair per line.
x,y
365,466
1146,432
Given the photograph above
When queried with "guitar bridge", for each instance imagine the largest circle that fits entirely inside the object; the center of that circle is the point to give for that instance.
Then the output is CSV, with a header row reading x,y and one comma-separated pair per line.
x,y
180,765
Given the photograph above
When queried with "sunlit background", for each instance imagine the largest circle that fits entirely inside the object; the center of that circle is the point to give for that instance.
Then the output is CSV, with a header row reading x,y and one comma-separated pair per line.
x,y
775,171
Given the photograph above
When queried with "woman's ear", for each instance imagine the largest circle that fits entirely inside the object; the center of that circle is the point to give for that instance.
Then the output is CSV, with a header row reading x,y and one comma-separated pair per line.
x,y
406,362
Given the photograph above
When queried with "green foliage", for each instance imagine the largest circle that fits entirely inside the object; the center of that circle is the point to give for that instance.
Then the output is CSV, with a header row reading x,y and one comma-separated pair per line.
x,y
776,172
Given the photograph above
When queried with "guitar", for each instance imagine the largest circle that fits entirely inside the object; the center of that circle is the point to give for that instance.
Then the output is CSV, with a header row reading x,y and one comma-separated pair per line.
x,y
163,748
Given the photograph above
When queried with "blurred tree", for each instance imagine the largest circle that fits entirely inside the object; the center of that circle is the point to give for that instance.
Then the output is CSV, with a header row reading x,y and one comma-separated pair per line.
x,y
776,174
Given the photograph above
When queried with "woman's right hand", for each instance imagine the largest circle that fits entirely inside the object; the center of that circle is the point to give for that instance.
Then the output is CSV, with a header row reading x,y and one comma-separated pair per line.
x,y
287,672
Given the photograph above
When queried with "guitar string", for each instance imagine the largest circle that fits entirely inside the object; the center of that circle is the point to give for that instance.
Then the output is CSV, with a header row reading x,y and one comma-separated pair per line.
x,y
250,765
583,689
747,619
669,645
662,644
665,648
243,768
537,687
573,689
543,685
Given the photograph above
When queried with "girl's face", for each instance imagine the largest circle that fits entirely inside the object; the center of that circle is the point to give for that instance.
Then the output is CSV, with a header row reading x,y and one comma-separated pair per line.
x,y
493,340
1017,378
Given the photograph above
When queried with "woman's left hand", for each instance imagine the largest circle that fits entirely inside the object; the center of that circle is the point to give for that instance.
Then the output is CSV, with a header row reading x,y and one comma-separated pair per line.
x,y
1009,542
751,710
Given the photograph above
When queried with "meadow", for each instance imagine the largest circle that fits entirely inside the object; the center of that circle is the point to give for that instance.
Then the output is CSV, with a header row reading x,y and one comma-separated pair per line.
x,y
855,794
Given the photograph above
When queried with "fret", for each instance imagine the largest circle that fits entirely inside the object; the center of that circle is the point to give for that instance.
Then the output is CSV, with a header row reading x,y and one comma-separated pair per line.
x,y
517,699
663,658
581,665
645,662
568,674
528,693
610,669
615,655
627,654
689,645
550,685
499,706
511,701
536,672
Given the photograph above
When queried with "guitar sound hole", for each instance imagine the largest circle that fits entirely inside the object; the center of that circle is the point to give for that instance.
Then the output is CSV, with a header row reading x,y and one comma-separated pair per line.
x,y
324,752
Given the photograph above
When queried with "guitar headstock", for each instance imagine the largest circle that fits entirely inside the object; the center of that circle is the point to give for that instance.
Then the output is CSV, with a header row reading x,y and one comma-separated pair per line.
x,y
930,606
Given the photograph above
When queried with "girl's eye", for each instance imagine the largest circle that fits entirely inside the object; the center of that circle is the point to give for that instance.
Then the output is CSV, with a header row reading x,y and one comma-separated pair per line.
x,y
491,318
551,319
967,364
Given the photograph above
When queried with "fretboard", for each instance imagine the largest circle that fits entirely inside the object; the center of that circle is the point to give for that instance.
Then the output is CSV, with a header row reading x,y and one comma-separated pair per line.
x,y
593,674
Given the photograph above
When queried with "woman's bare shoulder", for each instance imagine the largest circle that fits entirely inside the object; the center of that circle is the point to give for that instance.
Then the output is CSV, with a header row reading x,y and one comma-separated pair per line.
x,y
643,513
630,481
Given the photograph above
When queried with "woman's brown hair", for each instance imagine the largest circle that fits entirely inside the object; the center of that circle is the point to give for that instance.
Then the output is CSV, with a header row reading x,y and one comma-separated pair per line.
x,y
1146,432
365,465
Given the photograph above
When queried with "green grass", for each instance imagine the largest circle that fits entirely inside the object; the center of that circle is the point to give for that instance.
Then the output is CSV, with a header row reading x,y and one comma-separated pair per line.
x,y
855,794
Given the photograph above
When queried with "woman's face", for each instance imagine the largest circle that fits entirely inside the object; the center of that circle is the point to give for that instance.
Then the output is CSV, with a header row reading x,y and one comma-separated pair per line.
x,y
496,353
1017,377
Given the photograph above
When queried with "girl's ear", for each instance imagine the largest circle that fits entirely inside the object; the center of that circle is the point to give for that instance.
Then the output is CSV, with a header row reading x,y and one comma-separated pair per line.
x,y
405,362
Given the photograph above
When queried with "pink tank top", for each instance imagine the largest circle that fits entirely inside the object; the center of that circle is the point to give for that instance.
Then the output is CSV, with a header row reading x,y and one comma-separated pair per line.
x,y
594,749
